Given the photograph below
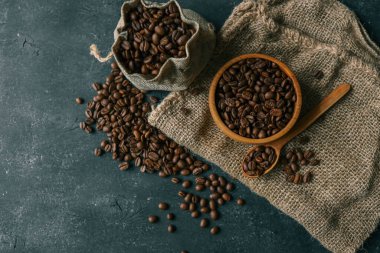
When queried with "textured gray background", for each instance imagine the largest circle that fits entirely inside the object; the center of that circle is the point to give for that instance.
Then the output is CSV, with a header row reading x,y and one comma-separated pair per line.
x,y
55,196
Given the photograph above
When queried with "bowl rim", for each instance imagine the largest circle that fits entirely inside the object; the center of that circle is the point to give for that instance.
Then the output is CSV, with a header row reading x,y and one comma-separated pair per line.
x,y
217,119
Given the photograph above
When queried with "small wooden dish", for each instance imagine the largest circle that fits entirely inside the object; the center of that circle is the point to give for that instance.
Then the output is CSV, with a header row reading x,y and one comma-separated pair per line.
x,y
219,122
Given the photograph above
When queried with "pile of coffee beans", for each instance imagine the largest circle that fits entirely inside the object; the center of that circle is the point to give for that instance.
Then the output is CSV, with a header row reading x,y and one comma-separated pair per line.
x,y
258,160
294,160
120,111
153,36
255,98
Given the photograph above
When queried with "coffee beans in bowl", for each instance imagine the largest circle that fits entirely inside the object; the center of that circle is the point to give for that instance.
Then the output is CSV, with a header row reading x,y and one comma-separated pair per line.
x,y
160,46
255,99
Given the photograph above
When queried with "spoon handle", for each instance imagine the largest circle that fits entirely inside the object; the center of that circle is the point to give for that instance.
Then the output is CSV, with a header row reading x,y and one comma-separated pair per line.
x,y
314,114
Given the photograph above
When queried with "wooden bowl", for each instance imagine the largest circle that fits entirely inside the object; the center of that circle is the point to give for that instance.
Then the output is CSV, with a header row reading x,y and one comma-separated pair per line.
x,y
219,122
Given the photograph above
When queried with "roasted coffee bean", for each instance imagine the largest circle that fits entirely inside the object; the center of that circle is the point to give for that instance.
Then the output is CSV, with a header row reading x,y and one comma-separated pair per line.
x,y
154,35
192,207
79,101
220,201
184,251
186,184
226,197
182,194
240,202
197,171
98,152
199,187
213,177
152,219
184,206
170,216
297,178
195,214
175,180
230,187
258,160
308,154
203,202
124,166
215,230
171,228
307,177
188,197
214,215
163,206
204,223
185,172
255,98
205,210
200,180
212,204
82,125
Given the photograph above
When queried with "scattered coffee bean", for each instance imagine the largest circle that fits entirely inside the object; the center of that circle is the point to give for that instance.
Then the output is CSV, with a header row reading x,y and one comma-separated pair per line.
x,y
255,98
152,219
124,166
154,35
186,184
204,223
230,187
240,202
195,214
314,162
79,101
184,206
307,177
258,160
214,215
175,180
170,216
171,228
163,206
226,197
98,152
192,207
215,230
199,187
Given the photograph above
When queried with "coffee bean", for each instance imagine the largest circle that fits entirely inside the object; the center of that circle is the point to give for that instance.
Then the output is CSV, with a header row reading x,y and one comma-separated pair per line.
x,y
308,154
171,228
186,184
226,197
192,207
197,171
79,101
212,204
184,251
220,201
199,187
98,152
205,210
154,35
214,215
297,178
170,216
195,214
215,230
253,101
307,177
185,172
188,197
175,180
184,206
152,219
182,194
204,223
213,177
240,202
124,166
259,159
163,206
230,187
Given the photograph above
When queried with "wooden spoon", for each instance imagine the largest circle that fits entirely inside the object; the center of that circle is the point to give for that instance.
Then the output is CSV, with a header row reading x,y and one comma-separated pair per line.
x,y
304,123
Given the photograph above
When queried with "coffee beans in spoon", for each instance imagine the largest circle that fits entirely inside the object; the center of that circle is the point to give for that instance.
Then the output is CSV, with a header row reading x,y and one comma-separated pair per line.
x,y
255,98
258,160
153,36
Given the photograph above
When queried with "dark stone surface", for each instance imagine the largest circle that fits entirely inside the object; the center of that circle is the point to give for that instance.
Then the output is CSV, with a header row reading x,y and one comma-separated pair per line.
x,y
55,195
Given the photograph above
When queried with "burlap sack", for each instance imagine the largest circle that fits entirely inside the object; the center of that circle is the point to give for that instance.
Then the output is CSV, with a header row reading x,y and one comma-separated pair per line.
x,y
341,207
176,73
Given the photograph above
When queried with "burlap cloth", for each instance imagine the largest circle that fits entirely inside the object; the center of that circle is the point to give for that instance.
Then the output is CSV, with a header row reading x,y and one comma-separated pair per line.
x,y
341,207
